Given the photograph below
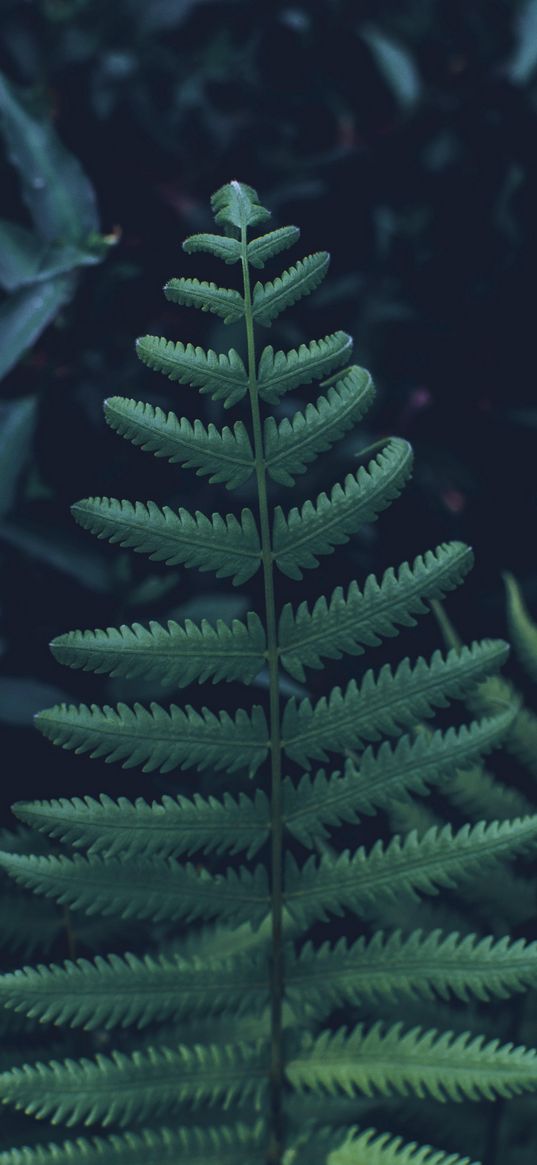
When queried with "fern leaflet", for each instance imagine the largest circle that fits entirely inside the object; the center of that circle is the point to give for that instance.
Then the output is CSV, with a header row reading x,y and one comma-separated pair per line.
x,y
223,454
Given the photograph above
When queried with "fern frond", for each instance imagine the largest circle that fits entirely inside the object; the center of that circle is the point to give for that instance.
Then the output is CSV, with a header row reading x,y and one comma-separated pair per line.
x,y
222,301
176,654
351,622
420,965
522,629
221,375
161,739
223,454
119,991
280,372
376,1148
477,794
522,739
172,827
128,1089
166,1146
237,205
405,866
385,702
152,889
292,444
301,537
269,299
260,250
227,546
443,1066
220,246
391,774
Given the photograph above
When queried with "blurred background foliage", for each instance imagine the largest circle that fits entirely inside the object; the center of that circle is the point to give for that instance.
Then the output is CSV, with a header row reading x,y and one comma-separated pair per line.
x,y
400,136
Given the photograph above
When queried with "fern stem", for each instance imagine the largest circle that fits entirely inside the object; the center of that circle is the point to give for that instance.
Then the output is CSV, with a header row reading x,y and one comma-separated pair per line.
x,y
277,981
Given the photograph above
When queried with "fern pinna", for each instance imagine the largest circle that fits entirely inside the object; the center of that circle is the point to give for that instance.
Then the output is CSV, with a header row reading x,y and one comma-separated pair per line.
x,y
265,1039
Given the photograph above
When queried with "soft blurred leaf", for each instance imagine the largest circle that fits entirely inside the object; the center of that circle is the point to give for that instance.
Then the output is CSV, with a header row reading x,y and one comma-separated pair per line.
x,y
26,314
163,14
25,259
396,66
20,699
152,588
20,255
17,421
57,193
524,58
526,417
61,552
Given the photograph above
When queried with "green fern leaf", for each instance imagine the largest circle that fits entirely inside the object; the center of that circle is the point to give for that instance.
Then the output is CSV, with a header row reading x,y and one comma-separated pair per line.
x,y
237,205
391,774
269,299
478,795
227,546
260,250
152,889
280,372
229,1144
221,375
218,245
386,702
160,739
438,858
128,1089
169,828
416,966
293,443
369,1146
522,629
348,623
176,654
222,301
225,455
301,537
120,991
443,1066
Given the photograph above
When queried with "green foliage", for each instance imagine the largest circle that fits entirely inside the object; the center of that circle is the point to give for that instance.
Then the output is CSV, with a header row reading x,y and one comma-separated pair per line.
x,y
349,623
225,545
235,1020
231,1143
224,454
174,655
442,1066
38,267
293,443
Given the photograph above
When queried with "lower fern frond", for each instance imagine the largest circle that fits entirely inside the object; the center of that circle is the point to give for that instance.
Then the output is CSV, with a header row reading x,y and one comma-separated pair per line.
x,y
119,991
371,1147
392,773
386,702
443,1066
175,654
227,1144
438,858
154,889
158,738
361,618
416,966
168,828
129,1089
225,545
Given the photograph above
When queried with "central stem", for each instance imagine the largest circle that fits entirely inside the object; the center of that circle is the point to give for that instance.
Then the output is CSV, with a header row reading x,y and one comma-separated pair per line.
x,y
277,983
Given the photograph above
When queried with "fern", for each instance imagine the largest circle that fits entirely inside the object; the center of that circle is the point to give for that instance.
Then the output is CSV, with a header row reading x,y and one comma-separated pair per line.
x,y
219,1041
225,455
